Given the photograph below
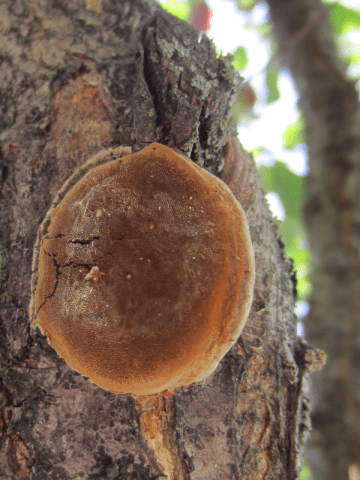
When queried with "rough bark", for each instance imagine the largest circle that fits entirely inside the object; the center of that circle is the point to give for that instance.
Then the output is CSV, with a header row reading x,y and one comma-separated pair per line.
x,y
330,106
78,77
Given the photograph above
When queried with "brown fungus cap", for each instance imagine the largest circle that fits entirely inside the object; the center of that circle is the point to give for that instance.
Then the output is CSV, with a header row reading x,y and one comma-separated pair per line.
x,y
144,273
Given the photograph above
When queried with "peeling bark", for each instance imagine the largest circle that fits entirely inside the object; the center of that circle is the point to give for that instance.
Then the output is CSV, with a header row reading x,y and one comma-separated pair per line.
x,y
157,428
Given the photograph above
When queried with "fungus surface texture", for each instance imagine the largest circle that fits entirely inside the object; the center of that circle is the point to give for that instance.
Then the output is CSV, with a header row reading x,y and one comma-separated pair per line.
x,y
143,273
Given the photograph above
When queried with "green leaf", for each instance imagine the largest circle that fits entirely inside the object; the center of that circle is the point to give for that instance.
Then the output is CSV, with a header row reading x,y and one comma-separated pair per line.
x,y
287,184
305,473
240,58
271,78
180,10
264,29
342,19
243,4
292,229
293,134
302,261
257,151
303,288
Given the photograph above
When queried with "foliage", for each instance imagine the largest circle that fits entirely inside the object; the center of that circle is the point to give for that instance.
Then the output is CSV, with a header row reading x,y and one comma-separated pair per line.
x,y
240,58
305,473
178,9
342,19
293,134
272,77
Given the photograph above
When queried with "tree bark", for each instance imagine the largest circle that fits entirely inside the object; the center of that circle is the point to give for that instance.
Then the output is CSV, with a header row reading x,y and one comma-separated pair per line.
x,y
79,77
330,105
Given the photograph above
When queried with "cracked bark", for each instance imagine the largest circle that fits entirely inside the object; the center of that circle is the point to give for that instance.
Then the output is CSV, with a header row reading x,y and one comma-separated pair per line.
x,y
78,77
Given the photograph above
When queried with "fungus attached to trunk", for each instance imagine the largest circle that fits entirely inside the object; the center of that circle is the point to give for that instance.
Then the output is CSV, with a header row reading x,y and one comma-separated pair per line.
x,y
143,272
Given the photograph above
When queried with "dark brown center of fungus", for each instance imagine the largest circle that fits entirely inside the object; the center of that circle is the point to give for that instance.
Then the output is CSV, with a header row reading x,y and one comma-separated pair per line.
x,y
145,273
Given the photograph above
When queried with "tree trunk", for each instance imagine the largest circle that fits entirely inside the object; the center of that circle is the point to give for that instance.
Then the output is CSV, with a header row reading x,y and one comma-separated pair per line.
x,y
330,105
79,77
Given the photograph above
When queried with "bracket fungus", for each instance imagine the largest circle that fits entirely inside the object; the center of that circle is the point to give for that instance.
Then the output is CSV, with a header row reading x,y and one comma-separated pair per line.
x,y
143,271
